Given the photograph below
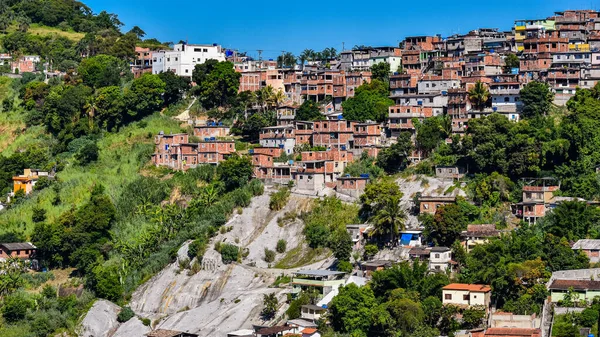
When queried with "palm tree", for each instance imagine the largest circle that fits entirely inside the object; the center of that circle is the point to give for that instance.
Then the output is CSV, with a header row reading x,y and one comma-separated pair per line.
x,y
325,54
279,97
306,55
90,107
333,53
479,95
267,96
389,219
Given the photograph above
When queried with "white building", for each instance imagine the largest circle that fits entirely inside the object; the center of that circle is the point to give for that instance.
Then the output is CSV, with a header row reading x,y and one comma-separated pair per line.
x,y
466,295
440,259
184,57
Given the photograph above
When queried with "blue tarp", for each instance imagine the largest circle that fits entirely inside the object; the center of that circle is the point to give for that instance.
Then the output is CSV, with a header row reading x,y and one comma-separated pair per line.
x,y
405,239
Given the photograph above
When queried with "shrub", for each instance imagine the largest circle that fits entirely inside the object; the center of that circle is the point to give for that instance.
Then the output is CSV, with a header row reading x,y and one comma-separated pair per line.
x,y
229,253
87,154
370,251
15,306
344,266
146,321
281,246
38,215
125,314
184,263
269,255
194,268
197,248
256,187
279,199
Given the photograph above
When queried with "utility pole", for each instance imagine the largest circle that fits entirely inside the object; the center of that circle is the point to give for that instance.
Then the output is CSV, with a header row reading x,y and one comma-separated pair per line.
x,y
343,46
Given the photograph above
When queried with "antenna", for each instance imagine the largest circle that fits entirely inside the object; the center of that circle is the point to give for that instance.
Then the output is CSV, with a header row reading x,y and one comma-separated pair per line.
x,y
259,54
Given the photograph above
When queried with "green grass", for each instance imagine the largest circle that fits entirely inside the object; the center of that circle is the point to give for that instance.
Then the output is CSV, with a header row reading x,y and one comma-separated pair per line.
x,y
121,158
302,256
37,29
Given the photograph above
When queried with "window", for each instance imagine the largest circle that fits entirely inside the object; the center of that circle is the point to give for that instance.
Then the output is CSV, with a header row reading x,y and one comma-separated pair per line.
x,y
186,71
176,59
205,50
448,296
437,256
465,297
506,99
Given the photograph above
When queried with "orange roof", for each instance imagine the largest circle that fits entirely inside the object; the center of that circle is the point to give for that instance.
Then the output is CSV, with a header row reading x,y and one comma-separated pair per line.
x,y
513,332
469,287
309,331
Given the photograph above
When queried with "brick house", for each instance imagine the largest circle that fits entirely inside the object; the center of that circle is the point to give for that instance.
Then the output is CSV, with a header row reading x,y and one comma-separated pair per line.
x,y
352,186
212,130
22,250
283,137
590,247
430,204
477,235
334,134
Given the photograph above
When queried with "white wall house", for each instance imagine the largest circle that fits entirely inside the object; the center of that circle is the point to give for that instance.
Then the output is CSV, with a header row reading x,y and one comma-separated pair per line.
x,y
466,295
184,57
440,259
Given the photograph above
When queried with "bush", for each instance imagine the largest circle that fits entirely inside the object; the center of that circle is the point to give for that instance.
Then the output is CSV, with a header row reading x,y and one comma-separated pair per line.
x,y
197,248
344,266
256,187
370,251
281,246
38,214
15,307
125,314
269,255
87,154
229,253
146,321
279,199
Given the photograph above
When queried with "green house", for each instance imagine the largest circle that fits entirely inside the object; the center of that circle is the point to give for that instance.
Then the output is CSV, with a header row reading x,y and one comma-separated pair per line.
x,y
583,290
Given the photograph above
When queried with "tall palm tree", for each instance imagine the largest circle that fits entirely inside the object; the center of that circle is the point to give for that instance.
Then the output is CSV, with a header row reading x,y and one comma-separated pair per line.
x,y
325,54
389,219
479,95
306,55
90,108
268,94
333,53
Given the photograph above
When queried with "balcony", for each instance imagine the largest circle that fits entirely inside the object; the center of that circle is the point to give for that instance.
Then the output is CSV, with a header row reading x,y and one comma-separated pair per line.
x,y
505,91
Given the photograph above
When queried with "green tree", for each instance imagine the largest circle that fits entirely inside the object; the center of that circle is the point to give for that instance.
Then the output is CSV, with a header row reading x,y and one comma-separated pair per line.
x,y
341,244
145,95
175,86
473,317
479,95
108,107
573,220
449,221
370,102
537,99
381,71
351,309
38,214
309,111
87,154
229,253
235,172
430,133
395,157
217,84
270,305
511,61
15,306
102,71
107,284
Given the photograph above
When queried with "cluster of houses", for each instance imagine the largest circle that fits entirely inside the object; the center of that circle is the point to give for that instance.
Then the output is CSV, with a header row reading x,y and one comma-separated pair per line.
x,y
23,64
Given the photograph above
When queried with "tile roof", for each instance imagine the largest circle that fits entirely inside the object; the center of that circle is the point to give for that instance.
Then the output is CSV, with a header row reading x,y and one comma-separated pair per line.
x,y
17,246
513,332
575,284
273,330
469,287
165,333
309,331
587,244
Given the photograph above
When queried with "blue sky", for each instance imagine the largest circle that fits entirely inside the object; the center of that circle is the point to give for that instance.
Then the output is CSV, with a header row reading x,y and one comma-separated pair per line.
x,y
295,25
